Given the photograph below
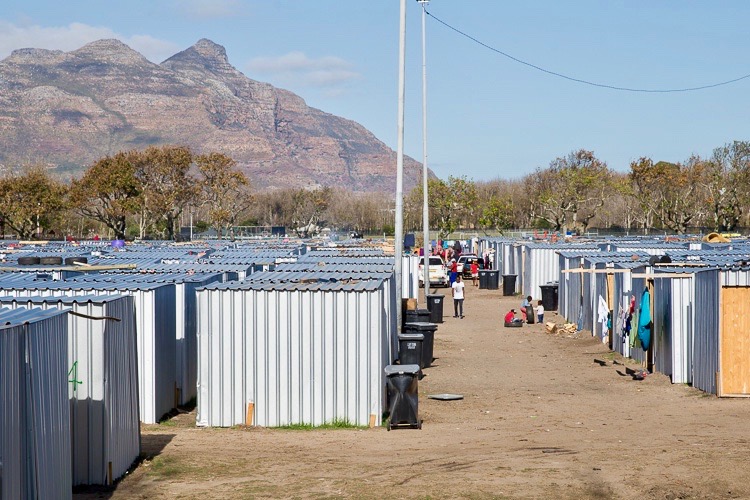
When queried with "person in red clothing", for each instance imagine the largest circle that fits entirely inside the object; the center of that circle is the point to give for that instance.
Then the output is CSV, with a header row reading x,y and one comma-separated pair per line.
x,y
511,317
474,272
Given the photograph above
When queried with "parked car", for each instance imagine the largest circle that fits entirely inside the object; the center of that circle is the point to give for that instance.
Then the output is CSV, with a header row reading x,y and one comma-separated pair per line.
x,y
464,264
437,272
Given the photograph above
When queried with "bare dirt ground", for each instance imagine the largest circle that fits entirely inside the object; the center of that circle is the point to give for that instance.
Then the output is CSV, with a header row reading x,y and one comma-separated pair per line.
x,y
539,419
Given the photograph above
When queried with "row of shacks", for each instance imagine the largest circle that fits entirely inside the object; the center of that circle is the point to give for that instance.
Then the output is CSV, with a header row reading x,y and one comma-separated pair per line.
x,y
698,300
96,339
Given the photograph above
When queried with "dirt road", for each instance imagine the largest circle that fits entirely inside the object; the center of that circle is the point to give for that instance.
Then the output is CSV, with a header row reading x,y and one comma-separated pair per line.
x,y
539,419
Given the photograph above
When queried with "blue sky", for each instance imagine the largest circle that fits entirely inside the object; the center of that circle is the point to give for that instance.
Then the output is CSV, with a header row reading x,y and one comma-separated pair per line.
x,y
488,117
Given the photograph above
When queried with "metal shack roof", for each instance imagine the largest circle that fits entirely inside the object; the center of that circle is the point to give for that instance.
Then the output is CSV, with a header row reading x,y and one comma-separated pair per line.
x,y
320,286
296,276
63,299
328,267
21,315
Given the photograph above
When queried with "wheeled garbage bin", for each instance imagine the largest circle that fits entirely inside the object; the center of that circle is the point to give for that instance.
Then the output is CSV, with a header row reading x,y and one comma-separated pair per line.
x,y
483,277
435,306
549,296
403,397
509,284
410,349
493,280
416,316
428,344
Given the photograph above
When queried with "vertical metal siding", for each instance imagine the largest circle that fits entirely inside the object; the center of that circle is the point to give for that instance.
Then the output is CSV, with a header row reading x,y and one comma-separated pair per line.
x,y
35,427
706,332
300,356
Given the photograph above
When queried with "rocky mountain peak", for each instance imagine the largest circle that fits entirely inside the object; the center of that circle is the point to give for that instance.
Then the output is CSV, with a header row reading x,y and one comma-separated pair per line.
x,y
111,51
204,54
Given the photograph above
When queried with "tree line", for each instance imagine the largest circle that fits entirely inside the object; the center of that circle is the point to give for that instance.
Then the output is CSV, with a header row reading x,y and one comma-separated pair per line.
x,y
147,194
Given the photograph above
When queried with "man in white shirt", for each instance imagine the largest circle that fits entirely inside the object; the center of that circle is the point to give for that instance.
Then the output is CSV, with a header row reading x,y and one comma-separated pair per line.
x,y
458,297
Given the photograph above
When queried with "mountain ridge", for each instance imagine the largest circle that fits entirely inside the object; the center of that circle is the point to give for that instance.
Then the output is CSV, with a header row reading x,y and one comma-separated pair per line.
x,y
69,109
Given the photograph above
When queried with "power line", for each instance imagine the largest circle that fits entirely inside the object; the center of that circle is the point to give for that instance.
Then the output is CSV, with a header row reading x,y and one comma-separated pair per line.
x,y
579,80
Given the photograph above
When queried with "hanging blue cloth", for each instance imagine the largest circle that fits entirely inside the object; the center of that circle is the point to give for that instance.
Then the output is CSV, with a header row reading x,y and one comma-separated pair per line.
x,y
644,320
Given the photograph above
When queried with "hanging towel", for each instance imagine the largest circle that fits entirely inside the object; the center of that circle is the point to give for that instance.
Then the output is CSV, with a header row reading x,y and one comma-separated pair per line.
x,y
634,334
644,320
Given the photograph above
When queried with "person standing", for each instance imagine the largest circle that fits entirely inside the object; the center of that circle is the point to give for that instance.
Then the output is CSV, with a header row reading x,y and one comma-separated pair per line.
x,y
474,272
458,297
454,271
539,312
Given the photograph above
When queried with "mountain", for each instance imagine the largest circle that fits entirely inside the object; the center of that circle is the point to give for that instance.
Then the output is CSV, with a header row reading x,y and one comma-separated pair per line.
x,y
68,109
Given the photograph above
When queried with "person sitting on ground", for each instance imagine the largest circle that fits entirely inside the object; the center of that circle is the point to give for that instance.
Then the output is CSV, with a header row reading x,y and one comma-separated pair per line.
x,y
510,318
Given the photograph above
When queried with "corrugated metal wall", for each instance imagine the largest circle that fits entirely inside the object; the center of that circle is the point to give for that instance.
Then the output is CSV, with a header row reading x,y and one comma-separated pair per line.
x,y
103,392
34,411
155,326
301,355
706,332
673,328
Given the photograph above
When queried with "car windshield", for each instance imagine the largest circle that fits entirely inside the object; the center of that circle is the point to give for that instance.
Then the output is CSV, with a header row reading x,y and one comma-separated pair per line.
x,y
434,261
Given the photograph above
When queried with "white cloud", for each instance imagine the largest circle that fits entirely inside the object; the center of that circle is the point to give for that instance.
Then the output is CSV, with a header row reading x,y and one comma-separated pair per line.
x,y
209,8
74,36
296,68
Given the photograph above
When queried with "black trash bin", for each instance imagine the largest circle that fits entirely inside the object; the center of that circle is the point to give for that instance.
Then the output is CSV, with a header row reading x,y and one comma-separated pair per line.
x,y
435,305
416,316
428,331
402,382
509,284
493,280
410,349
549,296
483,279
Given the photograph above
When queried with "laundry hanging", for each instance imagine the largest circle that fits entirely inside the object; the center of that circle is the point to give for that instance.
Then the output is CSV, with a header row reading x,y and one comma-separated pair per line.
x,y
644,320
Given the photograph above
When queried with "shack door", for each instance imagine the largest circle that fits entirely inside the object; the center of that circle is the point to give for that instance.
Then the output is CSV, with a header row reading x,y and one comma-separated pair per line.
x,y
734,342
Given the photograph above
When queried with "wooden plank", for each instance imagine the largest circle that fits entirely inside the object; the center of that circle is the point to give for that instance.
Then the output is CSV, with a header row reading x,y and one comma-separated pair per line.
x,y
650,276
249,414
584,270
734,356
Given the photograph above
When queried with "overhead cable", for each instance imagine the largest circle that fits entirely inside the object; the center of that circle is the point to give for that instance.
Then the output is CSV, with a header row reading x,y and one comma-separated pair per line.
x,y
579,80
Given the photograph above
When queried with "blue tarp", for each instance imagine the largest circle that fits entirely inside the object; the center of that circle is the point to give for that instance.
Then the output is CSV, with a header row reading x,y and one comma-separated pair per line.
x,y
644,320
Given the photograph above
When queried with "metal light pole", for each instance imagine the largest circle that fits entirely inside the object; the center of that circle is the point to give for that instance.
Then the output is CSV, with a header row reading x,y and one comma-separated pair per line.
x,y
425,209
399,223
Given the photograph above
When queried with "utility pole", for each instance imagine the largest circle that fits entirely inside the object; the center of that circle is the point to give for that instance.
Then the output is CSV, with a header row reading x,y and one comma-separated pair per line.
x,y
425,210
399,223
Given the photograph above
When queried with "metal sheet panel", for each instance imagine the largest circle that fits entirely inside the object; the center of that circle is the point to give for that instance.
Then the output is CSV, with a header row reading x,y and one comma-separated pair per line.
x,y
706,332
298,355
34,415
155,327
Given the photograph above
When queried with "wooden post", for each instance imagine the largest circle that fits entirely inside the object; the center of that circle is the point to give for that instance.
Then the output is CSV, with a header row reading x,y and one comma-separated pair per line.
x,y
249,414
109,473
373,420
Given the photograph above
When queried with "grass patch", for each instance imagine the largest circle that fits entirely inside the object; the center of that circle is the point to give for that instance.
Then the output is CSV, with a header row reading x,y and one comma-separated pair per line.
x,y
168,467
334,424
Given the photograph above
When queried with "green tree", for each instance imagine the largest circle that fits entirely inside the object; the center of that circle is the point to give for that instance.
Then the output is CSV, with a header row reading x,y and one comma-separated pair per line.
x,y
165,183
30,201
108,192
570,191
672,191
727,184
225,191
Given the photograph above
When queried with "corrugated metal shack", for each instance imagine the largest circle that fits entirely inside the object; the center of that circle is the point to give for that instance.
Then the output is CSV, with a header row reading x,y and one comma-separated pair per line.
x,y
34,410
102,382
273,354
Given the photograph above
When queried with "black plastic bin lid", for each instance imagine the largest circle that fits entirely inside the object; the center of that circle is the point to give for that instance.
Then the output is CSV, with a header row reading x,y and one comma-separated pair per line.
x,y
410,336
420,326
401,369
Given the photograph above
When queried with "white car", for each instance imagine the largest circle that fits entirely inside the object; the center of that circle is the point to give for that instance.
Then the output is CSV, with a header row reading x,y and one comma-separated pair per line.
x,y
463,260
438,275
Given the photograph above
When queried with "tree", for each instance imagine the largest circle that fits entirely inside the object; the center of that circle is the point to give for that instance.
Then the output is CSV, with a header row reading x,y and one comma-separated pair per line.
x,y
108,192
224,191
727,184
308,208
672,191
569,192
451,204
30,201
497,214
165,183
